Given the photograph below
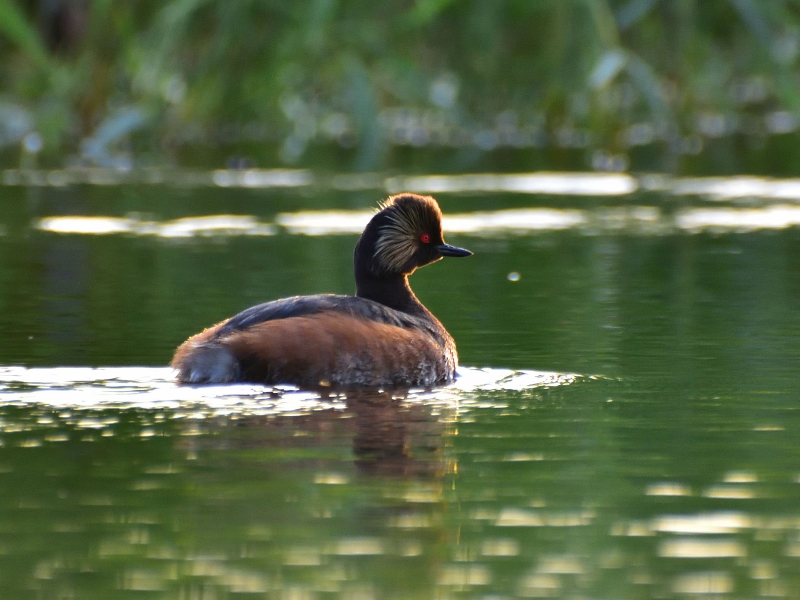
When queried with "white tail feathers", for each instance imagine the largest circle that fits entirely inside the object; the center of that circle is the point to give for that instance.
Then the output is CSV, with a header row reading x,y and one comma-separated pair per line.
x,y
208,363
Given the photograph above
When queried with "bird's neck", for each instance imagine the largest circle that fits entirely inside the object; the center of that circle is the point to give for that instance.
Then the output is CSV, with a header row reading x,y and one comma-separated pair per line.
x,y
389,289
392,291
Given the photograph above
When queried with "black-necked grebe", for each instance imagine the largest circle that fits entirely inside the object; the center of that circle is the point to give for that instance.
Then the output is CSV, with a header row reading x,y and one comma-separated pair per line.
x,y
382,336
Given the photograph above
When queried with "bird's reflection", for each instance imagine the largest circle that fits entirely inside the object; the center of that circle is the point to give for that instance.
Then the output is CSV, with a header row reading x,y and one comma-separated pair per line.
x,y
395,437
391,434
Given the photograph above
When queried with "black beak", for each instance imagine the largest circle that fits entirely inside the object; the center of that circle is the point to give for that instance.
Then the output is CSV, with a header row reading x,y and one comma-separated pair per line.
x,y
448,250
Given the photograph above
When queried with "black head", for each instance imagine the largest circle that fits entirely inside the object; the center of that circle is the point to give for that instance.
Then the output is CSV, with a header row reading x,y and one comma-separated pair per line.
x,y
404,235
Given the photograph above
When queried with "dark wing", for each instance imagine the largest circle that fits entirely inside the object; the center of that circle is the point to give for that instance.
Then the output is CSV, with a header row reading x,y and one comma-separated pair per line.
x,y
299,306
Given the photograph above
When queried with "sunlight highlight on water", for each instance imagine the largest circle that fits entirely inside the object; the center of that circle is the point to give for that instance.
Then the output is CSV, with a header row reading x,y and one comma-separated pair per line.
x,y
728,188
703,523
211,225
565,184
740,220
263,178
542,183
509,221
634,220
329,222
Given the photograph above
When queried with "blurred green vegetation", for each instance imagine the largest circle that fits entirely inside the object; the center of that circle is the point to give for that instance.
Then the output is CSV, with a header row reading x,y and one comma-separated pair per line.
x,y
676,85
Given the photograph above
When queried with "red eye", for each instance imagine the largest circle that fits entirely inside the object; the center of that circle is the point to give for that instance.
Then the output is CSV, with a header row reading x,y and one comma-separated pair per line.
x,y
425,238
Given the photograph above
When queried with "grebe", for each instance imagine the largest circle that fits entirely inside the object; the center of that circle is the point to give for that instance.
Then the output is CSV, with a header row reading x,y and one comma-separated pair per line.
x,y
382,336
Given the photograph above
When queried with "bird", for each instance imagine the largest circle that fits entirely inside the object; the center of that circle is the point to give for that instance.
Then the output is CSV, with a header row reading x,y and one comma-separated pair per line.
x,y
383,336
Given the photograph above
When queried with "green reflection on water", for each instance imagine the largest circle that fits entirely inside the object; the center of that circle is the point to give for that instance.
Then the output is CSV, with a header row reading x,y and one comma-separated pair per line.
x,y
675,473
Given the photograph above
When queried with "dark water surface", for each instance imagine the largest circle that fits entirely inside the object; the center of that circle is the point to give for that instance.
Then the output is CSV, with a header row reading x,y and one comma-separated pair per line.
x,y
626,425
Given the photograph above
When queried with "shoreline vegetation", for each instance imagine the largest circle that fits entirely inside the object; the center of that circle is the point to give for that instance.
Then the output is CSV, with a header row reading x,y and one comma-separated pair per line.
x,y
681,86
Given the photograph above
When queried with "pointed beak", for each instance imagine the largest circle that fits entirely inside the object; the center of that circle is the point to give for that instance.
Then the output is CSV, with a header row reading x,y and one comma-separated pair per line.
x,y
448,250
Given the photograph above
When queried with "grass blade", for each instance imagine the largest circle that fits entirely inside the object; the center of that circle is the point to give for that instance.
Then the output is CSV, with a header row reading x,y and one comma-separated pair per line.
x,y
14,26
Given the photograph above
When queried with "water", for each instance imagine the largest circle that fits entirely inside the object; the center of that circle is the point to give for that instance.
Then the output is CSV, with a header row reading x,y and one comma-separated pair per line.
x,y
624,425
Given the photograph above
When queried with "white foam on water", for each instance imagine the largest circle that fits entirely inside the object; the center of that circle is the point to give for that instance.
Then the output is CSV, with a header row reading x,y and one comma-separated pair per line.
x,y
155,388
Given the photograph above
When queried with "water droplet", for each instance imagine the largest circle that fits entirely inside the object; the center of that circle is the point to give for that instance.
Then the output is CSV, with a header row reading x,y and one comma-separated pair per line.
x,y
513,276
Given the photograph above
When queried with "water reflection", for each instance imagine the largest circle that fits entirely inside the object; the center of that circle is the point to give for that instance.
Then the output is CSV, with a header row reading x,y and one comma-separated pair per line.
x,y
392,434
393,438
